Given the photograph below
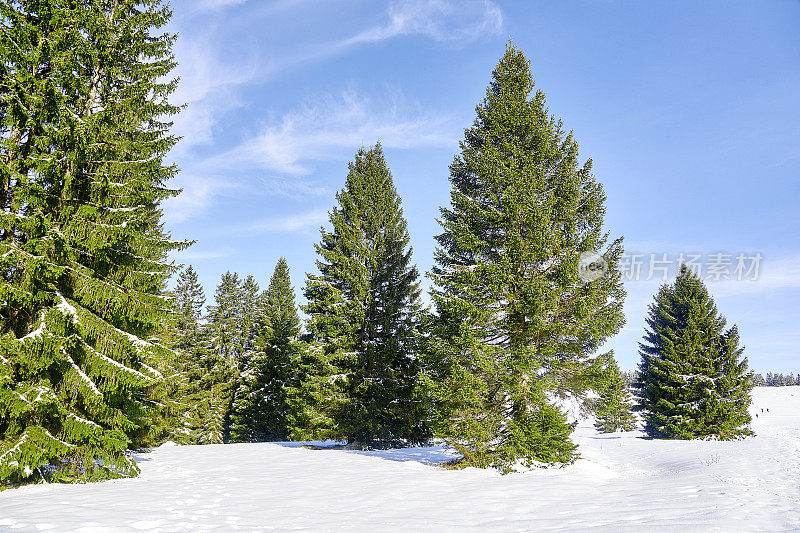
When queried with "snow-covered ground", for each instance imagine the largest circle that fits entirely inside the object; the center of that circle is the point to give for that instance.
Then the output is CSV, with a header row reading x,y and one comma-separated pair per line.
x,y
623,482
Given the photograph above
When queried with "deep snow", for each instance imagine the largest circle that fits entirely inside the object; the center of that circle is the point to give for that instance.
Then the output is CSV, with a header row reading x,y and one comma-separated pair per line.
x,y
622,482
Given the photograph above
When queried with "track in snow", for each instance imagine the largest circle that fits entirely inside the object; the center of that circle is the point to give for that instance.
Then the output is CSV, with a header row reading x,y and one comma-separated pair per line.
x,y
622,482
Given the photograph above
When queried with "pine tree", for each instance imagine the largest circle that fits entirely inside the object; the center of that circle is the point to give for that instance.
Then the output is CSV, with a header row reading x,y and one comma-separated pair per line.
x,y
183,376
261,412
693,382
226,352
252,318
207,397
82,143
516,324
613,408
363,311
225,318
189,301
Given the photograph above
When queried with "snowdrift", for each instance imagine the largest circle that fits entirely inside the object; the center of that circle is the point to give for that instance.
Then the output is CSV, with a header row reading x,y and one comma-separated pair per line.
x,y
622,482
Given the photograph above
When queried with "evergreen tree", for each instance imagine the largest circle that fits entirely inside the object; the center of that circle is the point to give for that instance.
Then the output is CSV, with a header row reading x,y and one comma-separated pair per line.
x,y
226,351
189,299
613,407
693,382
207,396
186,377
252,318
82,143
516,324
313,393
261,412
225,318
363,310
200,391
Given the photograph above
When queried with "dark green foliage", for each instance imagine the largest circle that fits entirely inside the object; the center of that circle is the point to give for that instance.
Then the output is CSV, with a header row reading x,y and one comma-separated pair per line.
x,y
261,411
207,395
693,382
228,346
200,378
82,142
225,318
516,325
189,299
251,318
182,333
363,311
613,408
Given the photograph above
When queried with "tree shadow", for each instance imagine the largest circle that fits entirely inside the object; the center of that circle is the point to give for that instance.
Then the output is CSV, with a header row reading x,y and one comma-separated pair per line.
x,y
427,455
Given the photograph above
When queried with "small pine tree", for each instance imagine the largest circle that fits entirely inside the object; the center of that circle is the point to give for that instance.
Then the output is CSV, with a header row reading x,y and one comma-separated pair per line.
x,y
516,324
312,395
693,382
189,299
226,351
188,339
261,410
225,318
83,94
363,309
613,408
252,319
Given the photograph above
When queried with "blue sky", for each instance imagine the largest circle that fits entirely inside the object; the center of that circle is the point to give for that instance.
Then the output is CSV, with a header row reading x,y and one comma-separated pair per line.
x,y
689,111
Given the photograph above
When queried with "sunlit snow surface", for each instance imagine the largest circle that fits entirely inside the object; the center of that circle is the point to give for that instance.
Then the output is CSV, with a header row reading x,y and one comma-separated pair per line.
x,y
623,482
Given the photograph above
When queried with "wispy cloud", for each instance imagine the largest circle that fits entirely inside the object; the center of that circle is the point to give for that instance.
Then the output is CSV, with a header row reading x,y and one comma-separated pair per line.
x,y
332,125
288,224
325,128
456,23
198,194
439,20
193,255
219,4
208,88
780,274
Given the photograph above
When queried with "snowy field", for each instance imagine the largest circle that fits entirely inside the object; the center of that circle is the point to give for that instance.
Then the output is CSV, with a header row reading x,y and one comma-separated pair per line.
x,y
623,482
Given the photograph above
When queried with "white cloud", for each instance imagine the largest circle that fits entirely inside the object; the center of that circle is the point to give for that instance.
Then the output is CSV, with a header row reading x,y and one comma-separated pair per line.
x,y
198,194
208,88
317,130
439,20
220,4
290,224
192,255
780,274
331,126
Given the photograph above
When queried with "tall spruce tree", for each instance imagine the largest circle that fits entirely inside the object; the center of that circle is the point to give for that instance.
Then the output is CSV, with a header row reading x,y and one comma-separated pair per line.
x,y
189,299
185,375
693,382
363,310
207,393
82,144
226,351
225,317
613,407
251,318
515,323
261,411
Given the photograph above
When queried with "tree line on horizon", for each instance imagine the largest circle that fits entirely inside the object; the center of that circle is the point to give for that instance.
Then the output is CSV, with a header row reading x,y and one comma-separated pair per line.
x,y
98,358
770,379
